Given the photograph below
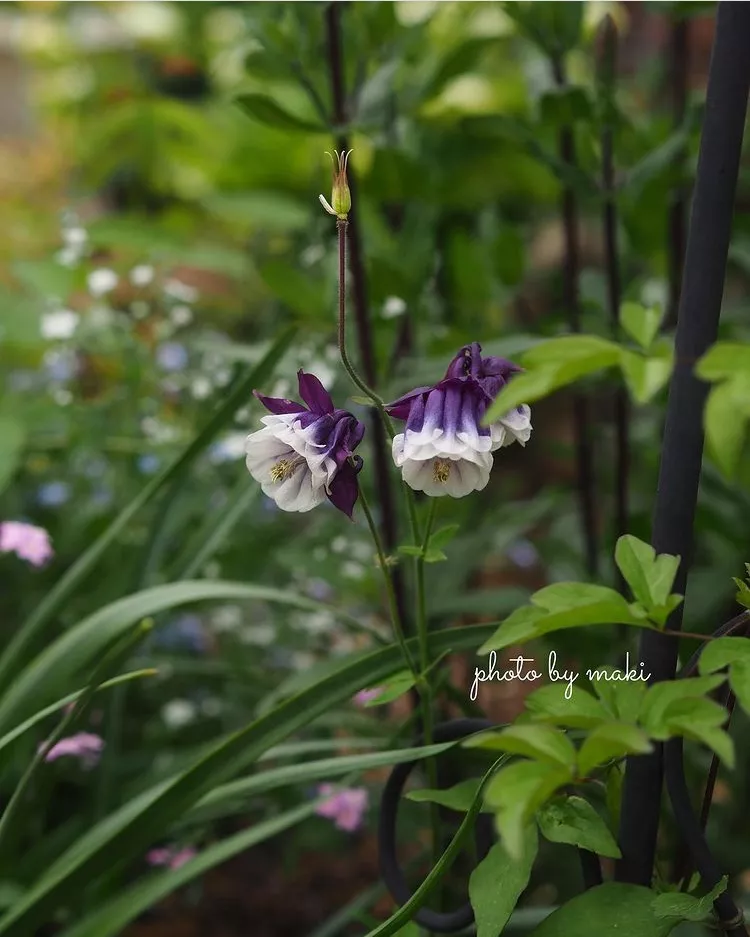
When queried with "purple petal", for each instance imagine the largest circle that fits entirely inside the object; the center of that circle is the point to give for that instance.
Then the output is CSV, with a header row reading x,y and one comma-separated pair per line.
x,y
400,408
313,393
466,362
279,404
500,366
344,488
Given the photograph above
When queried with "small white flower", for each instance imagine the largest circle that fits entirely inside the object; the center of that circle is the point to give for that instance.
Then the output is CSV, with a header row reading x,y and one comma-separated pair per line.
x,y
101,281
181,315
142,275
59,325
180,291
74,237
201,388
68,256
178,713
393,307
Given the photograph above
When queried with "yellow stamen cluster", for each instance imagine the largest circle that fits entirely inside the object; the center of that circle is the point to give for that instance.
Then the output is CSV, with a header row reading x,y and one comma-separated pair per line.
x,y
284,469
441,470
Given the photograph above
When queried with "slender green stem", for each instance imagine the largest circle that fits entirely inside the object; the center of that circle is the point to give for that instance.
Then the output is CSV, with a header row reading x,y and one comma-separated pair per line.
x,y
425,688
391,592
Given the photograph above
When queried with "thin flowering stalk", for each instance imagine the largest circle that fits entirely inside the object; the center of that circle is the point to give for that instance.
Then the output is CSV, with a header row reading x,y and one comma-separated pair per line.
x,y
390,591
428,725
366,345
581,414
614,292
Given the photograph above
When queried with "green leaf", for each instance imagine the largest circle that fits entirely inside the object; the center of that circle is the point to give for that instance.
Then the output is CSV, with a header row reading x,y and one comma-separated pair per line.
x,y
581,711
646,375
725,421
641,322
700,719
47,676
441,538
517,792
574,821
497,883
561,606
539,741
724,360
266,111
723,652
396,686
649,576
609,910
460,797
129,831
610,740
688,907
12,439
739,680
230,798
410,549
653,713
434,556
83,566
622,697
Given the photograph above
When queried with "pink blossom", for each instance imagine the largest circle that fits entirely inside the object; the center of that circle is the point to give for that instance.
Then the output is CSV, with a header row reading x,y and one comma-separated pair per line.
x,y
171,857
345,807
83,745
26,541
365,696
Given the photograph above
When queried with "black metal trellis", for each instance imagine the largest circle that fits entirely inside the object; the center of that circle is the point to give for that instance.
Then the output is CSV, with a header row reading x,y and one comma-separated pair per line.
x,y
682,451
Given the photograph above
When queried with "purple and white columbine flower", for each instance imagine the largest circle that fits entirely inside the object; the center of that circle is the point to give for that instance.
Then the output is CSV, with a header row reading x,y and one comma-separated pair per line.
x,y
305,454
444,449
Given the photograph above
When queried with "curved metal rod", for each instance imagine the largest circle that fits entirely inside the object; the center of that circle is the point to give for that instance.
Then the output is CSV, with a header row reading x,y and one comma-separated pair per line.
x,y
452,921
439,922
730,916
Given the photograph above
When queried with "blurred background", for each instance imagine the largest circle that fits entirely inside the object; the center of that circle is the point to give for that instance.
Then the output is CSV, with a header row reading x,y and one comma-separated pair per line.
x,y
160,164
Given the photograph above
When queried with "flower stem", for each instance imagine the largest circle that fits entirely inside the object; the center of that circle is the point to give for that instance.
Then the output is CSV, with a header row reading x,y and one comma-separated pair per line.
x,y
425,690
391,592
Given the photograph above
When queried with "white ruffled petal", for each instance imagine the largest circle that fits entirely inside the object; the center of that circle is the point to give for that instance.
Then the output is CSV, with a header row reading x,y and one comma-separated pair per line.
x,y
438,477
516,426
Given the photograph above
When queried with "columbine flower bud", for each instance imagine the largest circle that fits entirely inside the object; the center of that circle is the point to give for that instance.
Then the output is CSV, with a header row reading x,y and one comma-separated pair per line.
x,y
341,198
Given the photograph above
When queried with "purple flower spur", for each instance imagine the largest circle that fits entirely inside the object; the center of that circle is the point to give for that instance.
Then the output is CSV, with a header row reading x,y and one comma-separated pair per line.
x,y
444,449
305,452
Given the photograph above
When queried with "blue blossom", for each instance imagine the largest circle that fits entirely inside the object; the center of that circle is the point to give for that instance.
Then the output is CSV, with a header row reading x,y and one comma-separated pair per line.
x,y
53,494
172,356
148,464
184,633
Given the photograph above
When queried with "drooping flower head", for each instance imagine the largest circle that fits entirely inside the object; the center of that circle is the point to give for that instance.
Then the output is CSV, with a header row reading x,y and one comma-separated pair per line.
x,y
345,807
445,449
28,542
305,452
